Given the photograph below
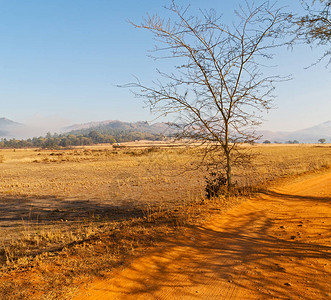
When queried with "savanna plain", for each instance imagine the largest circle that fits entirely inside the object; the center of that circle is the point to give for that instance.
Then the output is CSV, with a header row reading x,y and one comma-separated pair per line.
x,y
70,216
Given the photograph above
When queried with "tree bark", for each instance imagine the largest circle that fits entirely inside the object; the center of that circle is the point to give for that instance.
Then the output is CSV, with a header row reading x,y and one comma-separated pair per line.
x,y
228,170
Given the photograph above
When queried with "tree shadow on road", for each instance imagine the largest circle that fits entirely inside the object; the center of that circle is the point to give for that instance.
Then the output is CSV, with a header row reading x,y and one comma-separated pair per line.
x,y
298,197
249,257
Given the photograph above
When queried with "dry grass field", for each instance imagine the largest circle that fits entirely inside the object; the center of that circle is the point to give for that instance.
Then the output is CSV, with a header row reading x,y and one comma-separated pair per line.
x,y
103,204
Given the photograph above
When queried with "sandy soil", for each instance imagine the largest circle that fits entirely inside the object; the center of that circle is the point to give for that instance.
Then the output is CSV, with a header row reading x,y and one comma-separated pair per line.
x,y
275,246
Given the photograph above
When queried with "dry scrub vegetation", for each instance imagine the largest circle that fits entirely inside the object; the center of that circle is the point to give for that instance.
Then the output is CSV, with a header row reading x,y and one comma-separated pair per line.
x,y
67,216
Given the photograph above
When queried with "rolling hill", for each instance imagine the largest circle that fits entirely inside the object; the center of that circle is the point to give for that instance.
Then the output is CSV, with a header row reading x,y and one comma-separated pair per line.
x,y
7,127
111,125
307,135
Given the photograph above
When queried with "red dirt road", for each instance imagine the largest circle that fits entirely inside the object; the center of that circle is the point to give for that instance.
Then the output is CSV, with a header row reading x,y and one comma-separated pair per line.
x,y
276,246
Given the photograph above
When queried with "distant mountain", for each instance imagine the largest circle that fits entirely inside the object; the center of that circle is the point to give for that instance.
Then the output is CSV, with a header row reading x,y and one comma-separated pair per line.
x,y
7,127
4,122
104,126
307,135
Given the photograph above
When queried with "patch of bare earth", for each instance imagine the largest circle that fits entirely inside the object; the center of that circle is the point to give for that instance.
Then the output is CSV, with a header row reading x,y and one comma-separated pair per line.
x,y
275,246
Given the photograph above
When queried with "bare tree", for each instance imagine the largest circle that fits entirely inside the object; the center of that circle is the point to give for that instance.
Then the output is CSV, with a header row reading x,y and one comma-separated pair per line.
x,y
315,26
217,90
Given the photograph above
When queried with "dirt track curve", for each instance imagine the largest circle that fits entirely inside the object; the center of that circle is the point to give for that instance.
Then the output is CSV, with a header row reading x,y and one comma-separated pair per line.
x,y
276,246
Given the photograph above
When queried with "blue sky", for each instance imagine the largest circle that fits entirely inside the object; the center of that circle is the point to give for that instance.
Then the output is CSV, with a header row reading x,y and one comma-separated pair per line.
x,y
61,62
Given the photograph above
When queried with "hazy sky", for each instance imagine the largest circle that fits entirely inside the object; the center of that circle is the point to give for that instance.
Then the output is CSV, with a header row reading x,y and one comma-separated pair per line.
x,y
60,62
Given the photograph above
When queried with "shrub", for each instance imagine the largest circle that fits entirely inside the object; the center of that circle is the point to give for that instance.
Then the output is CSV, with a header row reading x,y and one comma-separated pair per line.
x,y
215,183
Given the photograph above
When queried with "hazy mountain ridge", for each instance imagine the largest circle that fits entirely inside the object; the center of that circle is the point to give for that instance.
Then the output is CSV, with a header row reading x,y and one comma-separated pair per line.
x,y
307,135
141,126
7,126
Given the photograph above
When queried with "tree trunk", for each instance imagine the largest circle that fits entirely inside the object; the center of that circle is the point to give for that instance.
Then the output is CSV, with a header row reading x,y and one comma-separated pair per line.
x,y
228,170
227,154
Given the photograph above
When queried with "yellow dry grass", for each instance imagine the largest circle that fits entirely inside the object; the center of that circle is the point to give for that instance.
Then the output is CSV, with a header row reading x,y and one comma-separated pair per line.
x,y
102,203
133,174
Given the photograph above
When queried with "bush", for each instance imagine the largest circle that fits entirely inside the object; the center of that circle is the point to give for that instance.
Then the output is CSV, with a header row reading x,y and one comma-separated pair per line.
x,y
215,184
